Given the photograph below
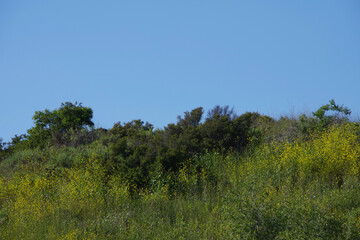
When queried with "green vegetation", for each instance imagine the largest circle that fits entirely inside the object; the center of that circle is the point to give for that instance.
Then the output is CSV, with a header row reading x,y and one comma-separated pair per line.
x,y
226,177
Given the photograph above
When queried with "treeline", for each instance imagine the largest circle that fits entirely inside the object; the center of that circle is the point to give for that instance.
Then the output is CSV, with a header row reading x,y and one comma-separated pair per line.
x,y
138,152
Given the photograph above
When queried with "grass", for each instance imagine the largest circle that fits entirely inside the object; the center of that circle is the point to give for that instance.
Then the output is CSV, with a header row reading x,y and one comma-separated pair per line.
x,y
281,190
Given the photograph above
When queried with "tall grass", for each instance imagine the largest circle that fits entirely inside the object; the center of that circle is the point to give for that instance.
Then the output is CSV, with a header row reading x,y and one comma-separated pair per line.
x,y
281,190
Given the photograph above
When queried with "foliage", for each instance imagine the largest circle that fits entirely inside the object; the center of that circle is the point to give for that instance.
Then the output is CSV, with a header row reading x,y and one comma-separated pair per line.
x,y
138,152
191,119
299,190
340,114
131,153
2,150
330,155
68,116
219,111
228,177
270,193
54,124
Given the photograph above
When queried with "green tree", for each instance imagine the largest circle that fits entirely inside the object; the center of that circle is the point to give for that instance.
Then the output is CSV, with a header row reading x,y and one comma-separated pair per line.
x,y
57,122
192,118
219,111
340,113
132,154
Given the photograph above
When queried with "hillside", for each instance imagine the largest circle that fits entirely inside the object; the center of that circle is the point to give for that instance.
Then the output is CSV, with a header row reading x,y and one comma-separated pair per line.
x,y
222,176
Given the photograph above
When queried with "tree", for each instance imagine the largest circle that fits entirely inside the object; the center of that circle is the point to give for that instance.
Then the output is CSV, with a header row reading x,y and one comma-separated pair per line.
x,y
2,149
192,118
219,111
49,123
340,114
68,117
132,153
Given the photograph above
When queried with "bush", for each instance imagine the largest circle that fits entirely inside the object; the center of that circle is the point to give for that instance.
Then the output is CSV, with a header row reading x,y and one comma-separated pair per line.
x,y
329,155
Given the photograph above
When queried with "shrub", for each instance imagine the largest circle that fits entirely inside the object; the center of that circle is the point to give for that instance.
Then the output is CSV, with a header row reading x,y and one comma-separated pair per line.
x,y
329,155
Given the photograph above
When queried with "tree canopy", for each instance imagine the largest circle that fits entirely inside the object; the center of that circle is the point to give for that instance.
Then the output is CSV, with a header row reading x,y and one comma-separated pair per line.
x,y
70,116
340,113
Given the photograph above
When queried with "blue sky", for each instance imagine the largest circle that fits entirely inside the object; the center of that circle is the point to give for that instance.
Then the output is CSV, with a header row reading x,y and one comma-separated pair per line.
x,y
154,60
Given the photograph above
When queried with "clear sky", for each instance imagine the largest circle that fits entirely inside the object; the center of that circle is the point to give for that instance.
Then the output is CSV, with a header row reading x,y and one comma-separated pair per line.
x,y
154,60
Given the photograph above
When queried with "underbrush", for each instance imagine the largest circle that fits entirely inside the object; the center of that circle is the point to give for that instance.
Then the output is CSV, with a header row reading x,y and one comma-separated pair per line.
x,y
299,190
